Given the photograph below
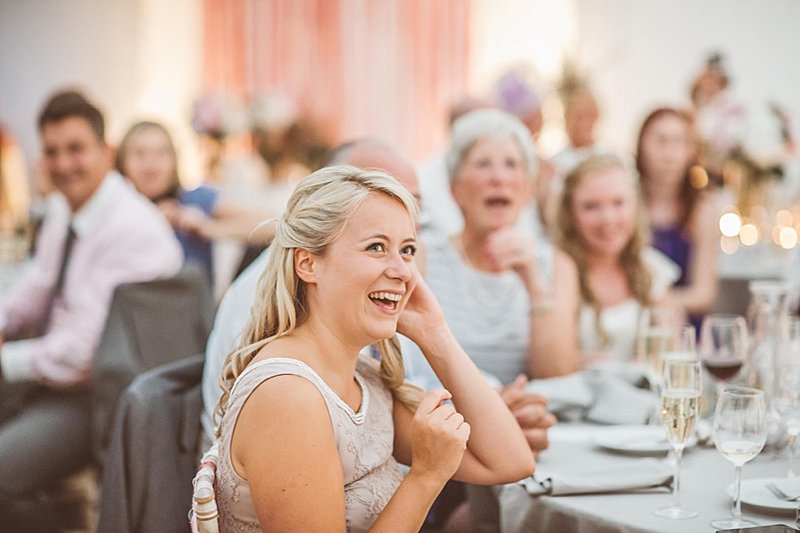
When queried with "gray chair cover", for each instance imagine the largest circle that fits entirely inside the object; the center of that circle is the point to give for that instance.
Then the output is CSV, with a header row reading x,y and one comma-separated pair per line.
x,y
149,324
147,482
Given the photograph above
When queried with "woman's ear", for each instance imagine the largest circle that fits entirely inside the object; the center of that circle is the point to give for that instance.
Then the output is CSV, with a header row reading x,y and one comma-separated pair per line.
x,y
304,262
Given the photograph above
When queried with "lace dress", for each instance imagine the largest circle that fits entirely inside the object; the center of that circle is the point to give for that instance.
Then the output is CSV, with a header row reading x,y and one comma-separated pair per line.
x,y
364,440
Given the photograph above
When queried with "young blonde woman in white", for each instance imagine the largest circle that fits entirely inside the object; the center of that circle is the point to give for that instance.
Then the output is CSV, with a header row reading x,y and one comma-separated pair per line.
x,y
311,431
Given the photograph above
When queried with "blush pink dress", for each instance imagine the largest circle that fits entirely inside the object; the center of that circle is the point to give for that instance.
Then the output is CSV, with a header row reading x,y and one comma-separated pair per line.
x,y
364,439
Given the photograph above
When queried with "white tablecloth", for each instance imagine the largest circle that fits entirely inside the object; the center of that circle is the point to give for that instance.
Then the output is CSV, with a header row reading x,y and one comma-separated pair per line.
x,y
704,478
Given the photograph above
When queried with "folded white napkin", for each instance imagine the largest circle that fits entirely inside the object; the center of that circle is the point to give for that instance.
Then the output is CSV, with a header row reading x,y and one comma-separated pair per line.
x,y
597,395
789,486
639,474
568,397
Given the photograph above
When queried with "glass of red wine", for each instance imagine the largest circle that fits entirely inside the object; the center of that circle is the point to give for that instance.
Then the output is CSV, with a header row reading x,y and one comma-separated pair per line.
x,y
723,345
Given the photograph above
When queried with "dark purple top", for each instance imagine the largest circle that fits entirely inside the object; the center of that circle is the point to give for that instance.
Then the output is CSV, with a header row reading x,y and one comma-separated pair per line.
x,y
672,242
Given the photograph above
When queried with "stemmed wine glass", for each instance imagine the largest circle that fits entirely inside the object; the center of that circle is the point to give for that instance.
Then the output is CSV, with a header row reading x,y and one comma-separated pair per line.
x,y
680,396
786,400
723,345
740,431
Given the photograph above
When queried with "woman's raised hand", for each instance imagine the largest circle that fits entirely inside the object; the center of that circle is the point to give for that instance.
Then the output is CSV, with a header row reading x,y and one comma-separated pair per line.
x,y
439,436
510,249
422,313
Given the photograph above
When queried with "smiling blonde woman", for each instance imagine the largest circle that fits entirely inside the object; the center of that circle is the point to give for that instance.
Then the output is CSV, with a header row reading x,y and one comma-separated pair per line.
x,y
312,432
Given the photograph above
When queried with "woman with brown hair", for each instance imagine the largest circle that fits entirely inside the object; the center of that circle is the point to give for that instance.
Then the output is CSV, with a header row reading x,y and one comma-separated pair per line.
x,y
682,217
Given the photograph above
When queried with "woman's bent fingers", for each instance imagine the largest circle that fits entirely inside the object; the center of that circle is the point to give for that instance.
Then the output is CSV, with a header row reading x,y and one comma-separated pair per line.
x,y
442,413
432,400
439,436
537,439
463,431
533,415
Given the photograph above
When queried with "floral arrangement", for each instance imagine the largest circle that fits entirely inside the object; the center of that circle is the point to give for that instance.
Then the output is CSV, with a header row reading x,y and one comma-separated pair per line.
x,y
219,114
515,93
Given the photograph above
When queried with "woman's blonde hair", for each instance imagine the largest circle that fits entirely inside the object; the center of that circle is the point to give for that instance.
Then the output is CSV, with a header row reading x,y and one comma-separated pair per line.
x,y
569,239
315,216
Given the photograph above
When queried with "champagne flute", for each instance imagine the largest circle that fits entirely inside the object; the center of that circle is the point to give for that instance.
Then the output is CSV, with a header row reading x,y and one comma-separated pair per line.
x,y
740,431
683,348
723,345
654,336
680,398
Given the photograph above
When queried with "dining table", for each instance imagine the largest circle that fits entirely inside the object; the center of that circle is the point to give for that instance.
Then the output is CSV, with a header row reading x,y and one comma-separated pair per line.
x,y
706,481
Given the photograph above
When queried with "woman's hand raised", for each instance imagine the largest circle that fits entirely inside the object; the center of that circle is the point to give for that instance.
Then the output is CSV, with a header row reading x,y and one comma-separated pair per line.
x,y
510,249
422,313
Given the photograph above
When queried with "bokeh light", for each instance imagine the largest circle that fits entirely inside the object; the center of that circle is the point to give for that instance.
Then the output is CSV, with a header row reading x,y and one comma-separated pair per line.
x,y
784,217
729,245
748,234
730,224
788,238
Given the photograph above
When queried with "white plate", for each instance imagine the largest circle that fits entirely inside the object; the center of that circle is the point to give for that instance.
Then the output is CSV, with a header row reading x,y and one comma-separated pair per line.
x,y
638,440
756,494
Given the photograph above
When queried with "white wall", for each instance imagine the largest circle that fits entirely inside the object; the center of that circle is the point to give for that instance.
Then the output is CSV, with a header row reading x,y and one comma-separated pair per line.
x,y
134,58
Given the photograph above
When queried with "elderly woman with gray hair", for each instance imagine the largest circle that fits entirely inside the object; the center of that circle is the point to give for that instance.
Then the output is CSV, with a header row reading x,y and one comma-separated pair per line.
x,y
489,281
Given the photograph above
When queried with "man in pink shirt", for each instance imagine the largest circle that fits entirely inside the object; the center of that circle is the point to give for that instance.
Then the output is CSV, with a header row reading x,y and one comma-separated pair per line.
x,y
98,233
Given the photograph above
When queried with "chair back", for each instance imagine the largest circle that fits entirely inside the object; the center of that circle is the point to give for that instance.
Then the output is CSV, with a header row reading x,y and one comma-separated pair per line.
x,y
149,324
154,445
733,296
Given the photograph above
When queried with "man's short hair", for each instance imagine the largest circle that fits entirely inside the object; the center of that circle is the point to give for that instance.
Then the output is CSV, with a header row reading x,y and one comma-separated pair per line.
x,y
67,104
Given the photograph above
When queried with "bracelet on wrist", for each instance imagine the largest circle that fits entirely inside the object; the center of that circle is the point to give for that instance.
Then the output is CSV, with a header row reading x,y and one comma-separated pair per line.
x,y
544,305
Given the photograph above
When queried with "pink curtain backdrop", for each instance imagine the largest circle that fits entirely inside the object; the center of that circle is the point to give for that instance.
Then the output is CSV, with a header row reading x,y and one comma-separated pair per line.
x,y
388,68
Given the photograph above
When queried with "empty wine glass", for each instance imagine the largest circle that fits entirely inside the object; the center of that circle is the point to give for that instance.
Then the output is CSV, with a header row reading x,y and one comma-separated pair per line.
x,y
680,396
723,345
740,431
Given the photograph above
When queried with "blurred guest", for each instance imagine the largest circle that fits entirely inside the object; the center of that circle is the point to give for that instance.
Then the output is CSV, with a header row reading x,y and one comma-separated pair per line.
x,y
683,219
339,421
603,227
147,157
222,123
516,94
720,117
581,113
231,165
99,234
14,187
501,292
287,140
